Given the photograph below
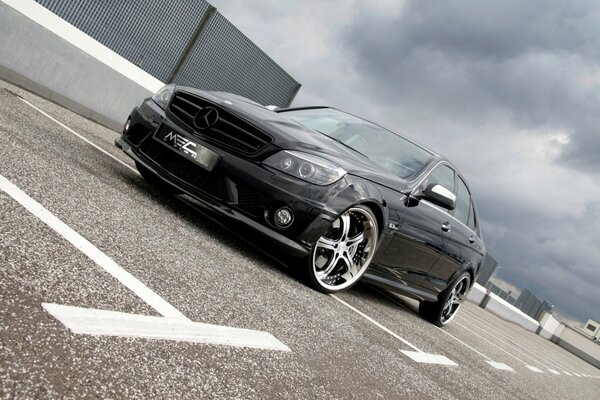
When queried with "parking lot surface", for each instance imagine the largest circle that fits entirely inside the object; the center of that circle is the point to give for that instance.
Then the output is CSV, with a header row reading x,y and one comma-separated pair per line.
x,y
80,228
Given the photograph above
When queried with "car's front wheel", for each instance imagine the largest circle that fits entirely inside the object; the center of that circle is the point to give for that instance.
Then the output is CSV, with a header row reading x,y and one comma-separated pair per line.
x,y
443,311
342,255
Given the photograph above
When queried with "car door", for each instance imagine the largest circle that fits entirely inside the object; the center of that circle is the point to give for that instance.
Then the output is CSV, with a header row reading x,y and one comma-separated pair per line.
x,y
419,235
464,248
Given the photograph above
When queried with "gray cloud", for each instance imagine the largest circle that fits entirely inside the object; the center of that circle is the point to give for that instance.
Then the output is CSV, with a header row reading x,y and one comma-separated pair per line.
x,y
508,90
533,63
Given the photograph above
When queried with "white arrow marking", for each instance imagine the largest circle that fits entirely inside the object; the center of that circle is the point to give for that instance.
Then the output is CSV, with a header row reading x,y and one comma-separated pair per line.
x,y
499,365
418,355
111,323
87,248
427,358
173,326
555,372
535,369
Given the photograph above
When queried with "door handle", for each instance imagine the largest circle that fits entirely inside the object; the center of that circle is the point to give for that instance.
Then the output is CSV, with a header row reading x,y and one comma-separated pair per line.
x,y
446,227
472,239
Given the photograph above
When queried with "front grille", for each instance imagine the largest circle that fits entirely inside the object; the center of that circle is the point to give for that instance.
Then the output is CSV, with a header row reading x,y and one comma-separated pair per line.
x,y
185,170
229,130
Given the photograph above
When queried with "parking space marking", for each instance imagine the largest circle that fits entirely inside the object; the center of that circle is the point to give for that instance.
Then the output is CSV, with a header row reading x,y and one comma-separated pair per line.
x,y
497,365
492,343
417,355
566,373
112,323
173,325
91,251
481,321
549,358
535,369
427,358
78,135
508,344
501,366
555,372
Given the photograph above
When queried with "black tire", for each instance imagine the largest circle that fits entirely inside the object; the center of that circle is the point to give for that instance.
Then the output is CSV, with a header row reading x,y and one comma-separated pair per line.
x,y
443,311
343,253
154,180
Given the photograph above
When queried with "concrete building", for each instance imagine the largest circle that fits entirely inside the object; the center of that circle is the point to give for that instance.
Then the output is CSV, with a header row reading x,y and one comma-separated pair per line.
x,y
592,329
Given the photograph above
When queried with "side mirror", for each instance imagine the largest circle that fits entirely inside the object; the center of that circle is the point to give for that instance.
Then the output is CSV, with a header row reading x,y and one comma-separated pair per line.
x,y
439,195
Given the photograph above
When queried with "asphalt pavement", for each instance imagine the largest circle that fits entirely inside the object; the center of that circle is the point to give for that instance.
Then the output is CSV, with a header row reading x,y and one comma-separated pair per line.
x,y
360,344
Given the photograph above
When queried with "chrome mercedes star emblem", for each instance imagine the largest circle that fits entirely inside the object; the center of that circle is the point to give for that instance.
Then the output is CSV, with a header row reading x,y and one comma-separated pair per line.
x,y
206,117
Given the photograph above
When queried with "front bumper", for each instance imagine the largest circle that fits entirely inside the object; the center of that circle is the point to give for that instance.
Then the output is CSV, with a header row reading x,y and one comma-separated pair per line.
x,y
239,188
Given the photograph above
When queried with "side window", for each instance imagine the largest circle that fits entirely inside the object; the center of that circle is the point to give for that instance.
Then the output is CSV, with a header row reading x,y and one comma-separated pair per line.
x,y
442,175
463,203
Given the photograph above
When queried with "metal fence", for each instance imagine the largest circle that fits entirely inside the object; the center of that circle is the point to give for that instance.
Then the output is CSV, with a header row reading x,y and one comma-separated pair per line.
x,y
181,41
503,294
531,305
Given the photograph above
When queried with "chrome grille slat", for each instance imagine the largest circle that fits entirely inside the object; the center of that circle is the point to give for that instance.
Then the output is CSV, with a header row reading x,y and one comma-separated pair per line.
x,y
230,130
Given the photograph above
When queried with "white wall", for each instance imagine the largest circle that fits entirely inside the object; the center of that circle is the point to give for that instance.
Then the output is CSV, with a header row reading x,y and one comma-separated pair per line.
x,y
496,305
549,326
580,345
45,54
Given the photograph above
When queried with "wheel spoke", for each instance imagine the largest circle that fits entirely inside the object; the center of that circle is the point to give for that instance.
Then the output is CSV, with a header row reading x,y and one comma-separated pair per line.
x,y
345,225
348,261
328,244
329,266
355,241
342,255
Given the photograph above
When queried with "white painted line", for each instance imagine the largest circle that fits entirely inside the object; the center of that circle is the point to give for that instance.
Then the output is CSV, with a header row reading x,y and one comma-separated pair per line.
x,y
89,45
418,355
376,323
497,365
534,369
476,326
566,373
427,358
87,248
501,366
492,343
111,323
576,374
481,321
555,372
78,135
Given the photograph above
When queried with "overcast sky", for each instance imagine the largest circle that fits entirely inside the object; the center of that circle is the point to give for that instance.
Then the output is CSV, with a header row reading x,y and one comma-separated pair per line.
x,y
508,90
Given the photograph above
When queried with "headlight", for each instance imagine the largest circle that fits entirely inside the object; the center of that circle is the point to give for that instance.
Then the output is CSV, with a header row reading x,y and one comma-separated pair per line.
x,y
307,167
163,96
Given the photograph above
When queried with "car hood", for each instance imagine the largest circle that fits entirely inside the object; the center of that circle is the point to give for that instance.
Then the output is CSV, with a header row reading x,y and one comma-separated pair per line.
x,y
290,135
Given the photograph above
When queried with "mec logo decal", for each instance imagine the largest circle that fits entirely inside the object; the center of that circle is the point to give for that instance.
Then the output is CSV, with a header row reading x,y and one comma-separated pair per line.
x,y
180,142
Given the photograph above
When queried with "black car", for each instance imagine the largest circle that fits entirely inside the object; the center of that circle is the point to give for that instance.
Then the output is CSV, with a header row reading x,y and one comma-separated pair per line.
x,y
352,199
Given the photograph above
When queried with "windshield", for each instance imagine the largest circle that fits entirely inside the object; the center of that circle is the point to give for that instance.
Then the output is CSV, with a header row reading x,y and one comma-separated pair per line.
x,y
391,151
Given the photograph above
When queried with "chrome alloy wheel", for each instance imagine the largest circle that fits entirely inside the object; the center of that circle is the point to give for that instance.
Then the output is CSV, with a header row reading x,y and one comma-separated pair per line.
x,y
342,255
455,299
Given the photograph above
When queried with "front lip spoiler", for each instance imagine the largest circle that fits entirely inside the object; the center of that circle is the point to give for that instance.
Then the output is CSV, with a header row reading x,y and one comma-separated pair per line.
x,y
296,250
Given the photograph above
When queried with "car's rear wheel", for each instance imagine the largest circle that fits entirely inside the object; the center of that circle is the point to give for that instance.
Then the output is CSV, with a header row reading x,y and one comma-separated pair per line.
x,y
342,255
443,311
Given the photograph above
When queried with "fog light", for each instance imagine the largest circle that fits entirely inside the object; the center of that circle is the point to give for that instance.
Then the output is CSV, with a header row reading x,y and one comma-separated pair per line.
x,y
283,217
